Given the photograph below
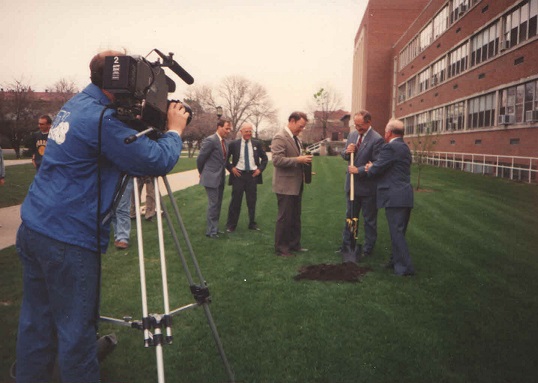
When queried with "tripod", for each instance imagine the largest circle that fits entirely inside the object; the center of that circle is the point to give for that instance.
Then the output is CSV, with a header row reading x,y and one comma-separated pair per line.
x,y
157,328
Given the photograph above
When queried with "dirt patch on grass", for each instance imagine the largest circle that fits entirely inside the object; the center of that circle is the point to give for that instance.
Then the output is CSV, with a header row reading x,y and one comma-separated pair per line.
x,y
346,272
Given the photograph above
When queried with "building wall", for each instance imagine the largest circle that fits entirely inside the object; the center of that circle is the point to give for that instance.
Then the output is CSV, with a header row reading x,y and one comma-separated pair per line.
x,y
382,25
509,67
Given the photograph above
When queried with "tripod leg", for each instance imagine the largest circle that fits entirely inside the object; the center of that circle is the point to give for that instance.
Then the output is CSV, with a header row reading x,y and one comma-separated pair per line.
x,y
141,264
205,304
164,277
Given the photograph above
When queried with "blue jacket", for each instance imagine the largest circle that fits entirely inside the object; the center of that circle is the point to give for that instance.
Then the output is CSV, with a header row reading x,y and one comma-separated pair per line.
x,y
62,200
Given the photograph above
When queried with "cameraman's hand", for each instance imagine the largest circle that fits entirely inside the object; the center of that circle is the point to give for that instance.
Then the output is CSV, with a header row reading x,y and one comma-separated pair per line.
x,y
177,117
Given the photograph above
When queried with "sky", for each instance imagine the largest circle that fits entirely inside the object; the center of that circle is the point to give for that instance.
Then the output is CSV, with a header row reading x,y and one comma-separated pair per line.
x,y
291,47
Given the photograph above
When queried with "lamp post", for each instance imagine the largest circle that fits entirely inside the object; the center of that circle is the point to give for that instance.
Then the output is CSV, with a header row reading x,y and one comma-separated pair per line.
x,y
219,112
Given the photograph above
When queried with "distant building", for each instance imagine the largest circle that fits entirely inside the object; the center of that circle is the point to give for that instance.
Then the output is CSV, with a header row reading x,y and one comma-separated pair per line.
x,y
465,71
336,126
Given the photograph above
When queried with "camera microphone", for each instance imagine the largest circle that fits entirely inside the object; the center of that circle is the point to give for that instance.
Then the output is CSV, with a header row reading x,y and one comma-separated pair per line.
x,y
169,62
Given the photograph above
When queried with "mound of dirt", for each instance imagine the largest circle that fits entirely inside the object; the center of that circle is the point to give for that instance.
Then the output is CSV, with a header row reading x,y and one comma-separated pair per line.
x,y
346,272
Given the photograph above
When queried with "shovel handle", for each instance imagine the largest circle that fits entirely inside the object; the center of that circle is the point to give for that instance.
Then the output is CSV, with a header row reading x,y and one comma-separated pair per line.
x,y
351,178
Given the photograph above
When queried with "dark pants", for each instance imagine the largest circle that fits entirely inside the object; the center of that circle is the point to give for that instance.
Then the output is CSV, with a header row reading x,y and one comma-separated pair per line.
x,y
243,184
366,204
59,310
214,203
288,223
398,219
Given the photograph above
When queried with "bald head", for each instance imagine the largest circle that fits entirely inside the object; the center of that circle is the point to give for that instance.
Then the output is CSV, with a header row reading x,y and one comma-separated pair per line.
x,y
246,131
396,127
97,65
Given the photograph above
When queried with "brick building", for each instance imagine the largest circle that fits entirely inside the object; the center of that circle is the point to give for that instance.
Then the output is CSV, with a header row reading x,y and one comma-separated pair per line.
x,y
465,71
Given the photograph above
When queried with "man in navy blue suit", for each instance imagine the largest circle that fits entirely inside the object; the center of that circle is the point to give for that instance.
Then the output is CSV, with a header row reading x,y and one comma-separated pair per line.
x,y
394,192
365,143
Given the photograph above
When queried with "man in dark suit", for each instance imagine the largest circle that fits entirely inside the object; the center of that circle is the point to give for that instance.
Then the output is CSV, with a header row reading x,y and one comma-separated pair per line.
x,y
394,192
211,163
248,162
288,182
365,143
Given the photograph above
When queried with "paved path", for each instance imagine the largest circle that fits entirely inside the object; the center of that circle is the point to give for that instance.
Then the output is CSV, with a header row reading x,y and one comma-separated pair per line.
x,y
10,216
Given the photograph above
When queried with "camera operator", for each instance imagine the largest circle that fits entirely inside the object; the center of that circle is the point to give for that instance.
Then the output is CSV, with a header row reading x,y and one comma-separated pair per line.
x,y
62,236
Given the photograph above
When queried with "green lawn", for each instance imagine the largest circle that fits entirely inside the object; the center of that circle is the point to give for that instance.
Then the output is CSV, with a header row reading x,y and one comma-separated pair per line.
x,y
469,315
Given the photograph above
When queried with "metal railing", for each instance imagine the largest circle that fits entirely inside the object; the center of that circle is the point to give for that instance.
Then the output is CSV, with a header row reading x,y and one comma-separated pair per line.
x,y
512,167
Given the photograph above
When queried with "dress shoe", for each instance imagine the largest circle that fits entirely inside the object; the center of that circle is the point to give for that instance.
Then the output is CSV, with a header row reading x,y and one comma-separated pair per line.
x,y
281,254
212,236
121,245
406,274
230,229
254,227
389,265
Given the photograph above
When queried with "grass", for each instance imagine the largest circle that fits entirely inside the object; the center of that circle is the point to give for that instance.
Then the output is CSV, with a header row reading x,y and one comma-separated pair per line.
x,y
468,316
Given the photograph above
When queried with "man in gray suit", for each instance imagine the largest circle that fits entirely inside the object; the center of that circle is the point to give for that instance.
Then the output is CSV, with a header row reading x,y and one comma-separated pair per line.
x,y
211,163
365,143
288,182
394,192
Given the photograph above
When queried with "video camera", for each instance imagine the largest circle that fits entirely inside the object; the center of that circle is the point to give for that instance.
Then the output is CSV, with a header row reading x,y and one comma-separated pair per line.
x,y
141,88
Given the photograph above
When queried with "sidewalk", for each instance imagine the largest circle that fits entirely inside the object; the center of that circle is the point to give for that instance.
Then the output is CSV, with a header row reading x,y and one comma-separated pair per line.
x,y
10,219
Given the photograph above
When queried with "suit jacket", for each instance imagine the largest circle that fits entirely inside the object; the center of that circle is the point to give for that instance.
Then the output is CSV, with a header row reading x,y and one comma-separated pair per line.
x,y
393,171
368,151
288,173
260,157
211,163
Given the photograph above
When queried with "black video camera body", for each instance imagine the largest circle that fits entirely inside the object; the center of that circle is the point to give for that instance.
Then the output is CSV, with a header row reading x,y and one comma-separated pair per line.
x,y
141,88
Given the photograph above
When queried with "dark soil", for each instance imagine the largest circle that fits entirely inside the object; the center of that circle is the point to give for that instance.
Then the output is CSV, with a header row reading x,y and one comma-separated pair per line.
x,y
346,272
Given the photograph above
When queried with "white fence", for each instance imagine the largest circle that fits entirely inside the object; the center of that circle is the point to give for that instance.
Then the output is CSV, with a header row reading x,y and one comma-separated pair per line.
x,y
512,167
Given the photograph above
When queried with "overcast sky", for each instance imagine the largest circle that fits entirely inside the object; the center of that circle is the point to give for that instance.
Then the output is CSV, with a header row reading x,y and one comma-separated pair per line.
x,y
292,47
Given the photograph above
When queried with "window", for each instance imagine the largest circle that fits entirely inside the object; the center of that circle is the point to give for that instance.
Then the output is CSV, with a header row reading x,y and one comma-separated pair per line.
x,y
481,111
459,8
422,123
517,100
454,116
423,80
438,71
520,24
440,22
457,60
478,142
484,44
411,87
514,141
401,93
409,125
426,36
436,119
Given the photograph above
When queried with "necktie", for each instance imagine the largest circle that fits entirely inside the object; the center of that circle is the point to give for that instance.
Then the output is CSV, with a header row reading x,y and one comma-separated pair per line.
x,y
297,143
223,148
247,165
360,140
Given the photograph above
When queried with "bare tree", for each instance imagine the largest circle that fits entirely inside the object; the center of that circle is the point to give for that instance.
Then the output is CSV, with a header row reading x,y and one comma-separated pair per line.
x,y
263,113
202,125
327,102
422,148
240,98
18,113
65,89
